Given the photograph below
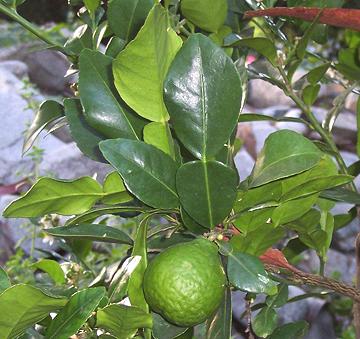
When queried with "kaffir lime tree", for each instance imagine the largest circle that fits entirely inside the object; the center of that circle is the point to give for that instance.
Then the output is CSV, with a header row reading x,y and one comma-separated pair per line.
x,y
160,93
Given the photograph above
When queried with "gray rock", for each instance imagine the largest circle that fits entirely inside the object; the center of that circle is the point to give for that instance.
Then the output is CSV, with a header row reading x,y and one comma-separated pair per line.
x,y
9,82
67,162
351,102
244,163
322,327
47,69
18,68
262,94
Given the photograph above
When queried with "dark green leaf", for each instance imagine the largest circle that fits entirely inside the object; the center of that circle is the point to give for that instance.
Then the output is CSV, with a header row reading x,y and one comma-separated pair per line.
x,y
52,268
4,280
49,111
219,324
135,287
91,215
342,195
86,137
208,17
285,153
279,299
159,242
261,45
191,224
258,241
75,313
23,306
245,117
92,232
126,17
104,109
114,190
265,322
147,172
316,74
358,126
123,321
164,330
310,94
207,191
296,330
115,46
64,197
246,272
140,69
202,92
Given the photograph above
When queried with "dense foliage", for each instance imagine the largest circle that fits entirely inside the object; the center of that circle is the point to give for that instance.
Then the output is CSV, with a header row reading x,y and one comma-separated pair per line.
x,y
160,93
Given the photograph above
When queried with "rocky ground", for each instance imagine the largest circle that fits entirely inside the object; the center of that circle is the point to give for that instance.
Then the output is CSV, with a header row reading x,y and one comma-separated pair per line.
x,y
62,159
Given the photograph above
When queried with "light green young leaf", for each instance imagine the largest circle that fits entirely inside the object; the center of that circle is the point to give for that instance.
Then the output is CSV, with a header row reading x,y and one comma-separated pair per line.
x,y
208,15
64,197
140,69
114,190
123,321
159,135
23,306
265,322
75,313
52,268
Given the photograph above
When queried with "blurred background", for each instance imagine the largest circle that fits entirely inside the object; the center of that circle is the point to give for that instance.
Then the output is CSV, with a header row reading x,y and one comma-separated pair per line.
x,y
29,74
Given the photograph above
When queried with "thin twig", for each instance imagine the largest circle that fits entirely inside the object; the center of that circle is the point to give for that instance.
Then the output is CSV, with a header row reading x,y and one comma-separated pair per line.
x,y
302,278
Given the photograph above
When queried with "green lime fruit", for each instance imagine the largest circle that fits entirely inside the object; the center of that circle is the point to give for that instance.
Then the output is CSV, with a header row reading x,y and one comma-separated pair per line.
x,y
185,283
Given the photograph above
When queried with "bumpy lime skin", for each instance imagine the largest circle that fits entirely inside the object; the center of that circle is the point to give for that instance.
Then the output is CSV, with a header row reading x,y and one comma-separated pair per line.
x,y
185,283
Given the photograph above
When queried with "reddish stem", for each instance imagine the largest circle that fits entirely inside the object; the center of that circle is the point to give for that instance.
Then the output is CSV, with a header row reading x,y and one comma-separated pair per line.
x,y
339,17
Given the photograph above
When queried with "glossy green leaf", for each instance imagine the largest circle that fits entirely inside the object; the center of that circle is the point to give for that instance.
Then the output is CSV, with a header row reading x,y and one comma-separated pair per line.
x,y
23,306
135,288
207,191
75,313
159,135
147,172
64,197
284,154
208,15
48,112
115,46
164,330
86,137
104,109
191,224
114,190
202,92
296,330
91,5
123,321
259,240
140,69
219,324
162,241
92,214
4,280
81,38
94,232
246,272
52,268
261,45
126,17
265,322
